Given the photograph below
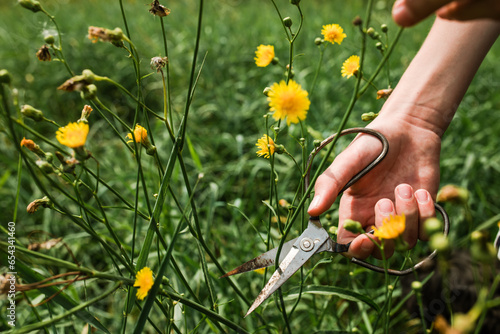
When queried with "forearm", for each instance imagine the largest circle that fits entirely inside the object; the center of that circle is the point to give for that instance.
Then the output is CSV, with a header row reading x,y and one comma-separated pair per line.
x,y
438,77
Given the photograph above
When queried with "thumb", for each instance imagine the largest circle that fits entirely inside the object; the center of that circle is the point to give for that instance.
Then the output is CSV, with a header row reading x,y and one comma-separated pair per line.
x,y
345,166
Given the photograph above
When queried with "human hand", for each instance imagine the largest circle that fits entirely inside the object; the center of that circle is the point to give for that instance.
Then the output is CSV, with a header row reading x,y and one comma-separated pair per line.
x,y
409,12
413,158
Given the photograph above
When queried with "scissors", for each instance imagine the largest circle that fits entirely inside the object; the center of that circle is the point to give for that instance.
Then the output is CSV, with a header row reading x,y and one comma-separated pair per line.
x,y
315,239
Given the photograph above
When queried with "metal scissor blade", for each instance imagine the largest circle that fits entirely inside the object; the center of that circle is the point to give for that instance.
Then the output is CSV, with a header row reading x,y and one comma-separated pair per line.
x,y
308,244
264,260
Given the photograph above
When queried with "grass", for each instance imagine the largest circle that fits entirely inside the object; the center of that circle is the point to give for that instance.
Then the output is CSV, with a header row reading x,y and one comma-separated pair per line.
x,y
230,181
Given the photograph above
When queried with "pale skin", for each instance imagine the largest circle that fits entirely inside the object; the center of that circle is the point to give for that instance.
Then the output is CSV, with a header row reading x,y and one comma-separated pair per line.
x,y
413,119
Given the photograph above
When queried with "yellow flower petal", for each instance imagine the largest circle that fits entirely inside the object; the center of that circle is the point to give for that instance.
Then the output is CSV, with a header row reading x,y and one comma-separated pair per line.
x,y
140,135
144,281
288,101
73,135
350,67
266,145
391,228
264,55
333,33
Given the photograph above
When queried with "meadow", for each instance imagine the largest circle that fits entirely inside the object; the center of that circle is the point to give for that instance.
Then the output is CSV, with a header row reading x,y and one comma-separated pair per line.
x,y
198,201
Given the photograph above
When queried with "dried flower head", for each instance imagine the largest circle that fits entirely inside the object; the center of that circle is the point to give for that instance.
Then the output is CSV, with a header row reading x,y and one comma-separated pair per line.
x,y
158,63
79,82
266,146
350,67
30,145
333,33
85,114
264,55
144,281
453,193
384,93
43,54
42,202
391,228
73,135
158,10
288,101
114,36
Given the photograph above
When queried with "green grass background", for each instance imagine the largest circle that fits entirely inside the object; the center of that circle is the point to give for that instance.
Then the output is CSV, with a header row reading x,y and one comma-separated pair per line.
x,y
225,122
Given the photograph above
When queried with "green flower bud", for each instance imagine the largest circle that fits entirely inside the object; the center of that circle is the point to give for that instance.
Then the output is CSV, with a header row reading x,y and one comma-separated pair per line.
x,y
416,285
379,45
32,5
318,41
353,226
371,32
368,116
333,230
89,92
5,77
151,150
88,76
266,91
384,28
287,21
44,166
440,243
49,39
276,129
294,2
275,61
49,157
280,149
30,112
317,142
433,226
357,21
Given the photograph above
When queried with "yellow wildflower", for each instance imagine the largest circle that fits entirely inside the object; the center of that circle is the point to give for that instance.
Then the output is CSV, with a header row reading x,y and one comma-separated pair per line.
x,y
264,55
333,33
266,145
260,271
350,67
73,135
144,281
140,135
391,228
288,101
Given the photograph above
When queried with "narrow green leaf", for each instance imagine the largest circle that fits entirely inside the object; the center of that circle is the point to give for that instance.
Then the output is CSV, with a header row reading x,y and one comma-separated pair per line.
x,y
334,291
194,155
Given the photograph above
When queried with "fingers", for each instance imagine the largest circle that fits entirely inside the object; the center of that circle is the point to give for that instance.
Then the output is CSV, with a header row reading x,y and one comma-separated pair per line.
x,y
470,9
416,206
347,164
409,12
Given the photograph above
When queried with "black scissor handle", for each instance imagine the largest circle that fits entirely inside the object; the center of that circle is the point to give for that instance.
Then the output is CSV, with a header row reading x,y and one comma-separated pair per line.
x,y
363,172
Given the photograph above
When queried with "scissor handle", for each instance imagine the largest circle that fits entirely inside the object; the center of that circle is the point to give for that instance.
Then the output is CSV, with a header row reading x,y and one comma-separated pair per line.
x,y
373,267
363,172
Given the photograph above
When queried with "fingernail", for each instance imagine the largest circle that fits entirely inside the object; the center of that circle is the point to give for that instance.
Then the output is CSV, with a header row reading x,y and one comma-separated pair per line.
x,y
422,196
315,202
404,192
366,245
385,207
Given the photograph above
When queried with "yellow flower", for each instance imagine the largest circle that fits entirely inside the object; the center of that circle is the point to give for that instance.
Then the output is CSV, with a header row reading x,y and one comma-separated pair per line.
x,y
260,271
144,281
140,135
391,228
350,67
333,33
264,55
266,145
288,101
73,135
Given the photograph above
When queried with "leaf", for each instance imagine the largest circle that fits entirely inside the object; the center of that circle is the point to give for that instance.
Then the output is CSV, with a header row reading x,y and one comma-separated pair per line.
x,y
194,155
334,291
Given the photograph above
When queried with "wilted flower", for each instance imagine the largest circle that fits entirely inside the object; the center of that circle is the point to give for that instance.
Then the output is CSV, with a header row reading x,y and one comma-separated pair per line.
x,y
32,5
266,145
73,135
288,101
350,67
114,36
264,55
43,54
158,10
157,63
85,114
42,202
30,145
391,228
144,281
384,93
333,33
78,82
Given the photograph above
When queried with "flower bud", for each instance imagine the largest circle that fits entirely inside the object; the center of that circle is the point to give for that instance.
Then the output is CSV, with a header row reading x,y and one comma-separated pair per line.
x,y
85,113
379,46
317,143
453,194
481,250
49,39
275,61
333,230
5,77
287,21
42,202
89,92
368,116
44,166
276,129
440,243
384,93
357,21
384,28
353,226
416,285
30,112
266,91
294,2
32,5
30,145
433,226
318,41
371,32
280,149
